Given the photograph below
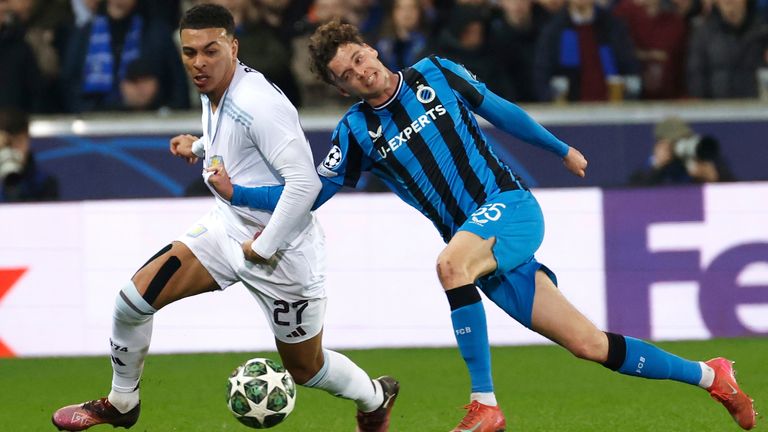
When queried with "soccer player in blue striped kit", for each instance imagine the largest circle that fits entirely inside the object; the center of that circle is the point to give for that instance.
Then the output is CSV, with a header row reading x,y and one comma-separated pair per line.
x,y
416,131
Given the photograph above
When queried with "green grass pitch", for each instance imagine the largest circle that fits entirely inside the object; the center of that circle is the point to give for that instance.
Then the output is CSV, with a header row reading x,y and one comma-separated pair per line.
x,y
541,388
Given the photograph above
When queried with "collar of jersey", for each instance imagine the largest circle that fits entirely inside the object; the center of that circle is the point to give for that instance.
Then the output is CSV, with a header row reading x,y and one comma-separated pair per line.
x,y
394,95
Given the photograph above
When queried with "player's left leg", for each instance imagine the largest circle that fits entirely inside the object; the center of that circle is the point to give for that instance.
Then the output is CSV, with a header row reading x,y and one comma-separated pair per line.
x,y
292,296
556,318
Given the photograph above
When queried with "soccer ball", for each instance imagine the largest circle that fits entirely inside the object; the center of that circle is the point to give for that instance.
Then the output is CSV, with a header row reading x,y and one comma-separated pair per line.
x,y
261,393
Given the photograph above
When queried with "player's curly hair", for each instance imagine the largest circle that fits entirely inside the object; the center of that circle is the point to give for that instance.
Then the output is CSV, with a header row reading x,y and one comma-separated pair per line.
x,y
326,41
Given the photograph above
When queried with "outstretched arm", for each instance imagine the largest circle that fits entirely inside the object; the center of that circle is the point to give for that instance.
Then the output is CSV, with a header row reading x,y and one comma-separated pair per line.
x,y
512,119
507,116
266,197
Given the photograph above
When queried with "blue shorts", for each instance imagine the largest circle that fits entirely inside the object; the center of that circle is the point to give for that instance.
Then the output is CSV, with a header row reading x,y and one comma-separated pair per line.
x,y
515,219
514,290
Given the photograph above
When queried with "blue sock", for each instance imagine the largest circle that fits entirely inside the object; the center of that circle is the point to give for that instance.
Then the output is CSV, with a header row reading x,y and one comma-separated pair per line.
x,y
471,331
649,361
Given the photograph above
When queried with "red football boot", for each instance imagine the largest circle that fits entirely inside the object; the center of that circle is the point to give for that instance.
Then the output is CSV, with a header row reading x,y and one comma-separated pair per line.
x,y
725,390
95,412
482,418
378,420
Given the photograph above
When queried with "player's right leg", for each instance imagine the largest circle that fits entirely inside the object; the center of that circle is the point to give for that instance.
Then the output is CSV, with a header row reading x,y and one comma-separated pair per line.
x,y
502,234
170,275
315,367
467,257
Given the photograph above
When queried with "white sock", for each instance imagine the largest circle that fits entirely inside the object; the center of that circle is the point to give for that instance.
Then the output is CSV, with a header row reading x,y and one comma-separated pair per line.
x,y
707,376
131,334
341,377
484,398
124,402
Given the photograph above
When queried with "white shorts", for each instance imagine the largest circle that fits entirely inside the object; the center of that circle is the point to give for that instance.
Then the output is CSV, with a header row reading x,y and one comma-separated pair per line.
x,y
290,290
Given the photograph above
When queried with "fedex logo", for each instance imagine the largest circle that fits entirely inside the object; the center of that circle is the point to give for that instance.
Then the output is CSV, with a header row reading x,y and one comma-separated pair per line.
x,y
633,265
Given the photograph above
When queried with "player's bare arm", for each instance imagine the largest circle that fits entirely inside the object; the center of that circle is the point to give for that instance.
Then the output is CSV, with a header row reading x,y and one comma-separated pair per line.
x,y
220,181
181,146
575,162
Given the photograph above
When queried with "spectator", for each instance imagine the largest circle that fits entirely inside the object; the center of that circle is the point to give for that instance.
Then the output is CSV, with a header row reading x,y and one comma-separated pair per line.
x,y
403,38
46,27
514,34
584,47
689,10
762,8
19,73
167,11
140,89
366,15
463,40
84,11
99,53
664,166
726,50
660,38
681,156
551,7
20,178
313,91
265,41
436,15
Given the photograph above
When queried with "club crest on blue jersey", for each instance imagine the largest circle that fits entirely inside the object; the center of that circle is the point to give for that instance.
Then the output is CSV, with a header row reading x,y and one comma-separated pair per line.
x,y
425,94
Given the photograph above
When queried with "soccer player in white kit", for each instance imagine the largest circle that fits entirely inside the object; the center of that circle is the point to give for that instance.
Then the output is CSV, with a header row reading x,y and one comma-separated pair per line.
x,y
251,133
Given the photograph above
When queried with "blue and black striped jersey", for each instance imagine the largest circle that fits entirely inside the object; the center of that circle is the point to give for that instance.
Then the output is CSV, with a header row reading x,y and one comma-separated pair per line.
x,y
426,145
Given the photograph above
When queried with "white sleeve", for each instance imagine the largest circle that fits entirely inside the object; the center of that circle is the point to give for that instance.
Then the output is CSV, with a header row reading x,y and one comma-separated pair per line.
x,y
284,147
198,148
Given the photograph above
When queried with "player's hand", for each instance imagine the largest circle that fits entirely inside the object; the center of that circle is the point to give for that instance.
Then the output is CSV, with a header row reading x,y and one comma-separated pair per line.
x,y
181,146
220,181
575,162
252,256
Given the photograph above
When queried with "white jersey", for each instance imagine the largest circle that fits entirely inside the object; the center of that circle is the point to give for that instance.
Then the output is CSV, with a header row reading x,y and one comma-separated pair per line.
x,y
255,132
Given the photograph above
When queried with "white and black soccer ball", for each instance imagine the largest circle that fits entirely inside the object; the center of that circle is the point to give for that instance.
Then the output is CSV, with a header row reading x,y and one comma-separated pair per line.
x,y
261,393
333,159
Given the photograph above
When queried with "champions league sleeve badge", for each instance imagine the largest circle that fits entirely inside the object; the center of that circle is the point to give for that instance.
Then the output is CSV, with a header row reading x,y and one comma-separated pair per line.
x,y
331,162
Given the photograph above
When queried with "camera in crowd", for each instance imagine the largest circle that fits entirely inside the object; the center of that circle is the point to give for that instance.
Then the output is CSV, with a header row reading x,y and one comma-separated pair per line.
x,y
11,166
697,147
11,161
14,145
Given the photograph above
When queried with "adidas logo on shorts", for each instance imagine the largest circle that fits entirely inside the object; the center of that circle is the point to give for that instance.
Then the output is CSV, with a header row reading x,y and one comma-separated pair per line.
x,y
298,332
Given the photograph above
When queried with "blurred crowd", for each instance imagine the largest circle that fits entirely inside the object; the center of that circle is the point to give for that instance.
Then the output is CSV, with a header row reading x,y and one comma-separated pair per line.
x,y
74,56
79,56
